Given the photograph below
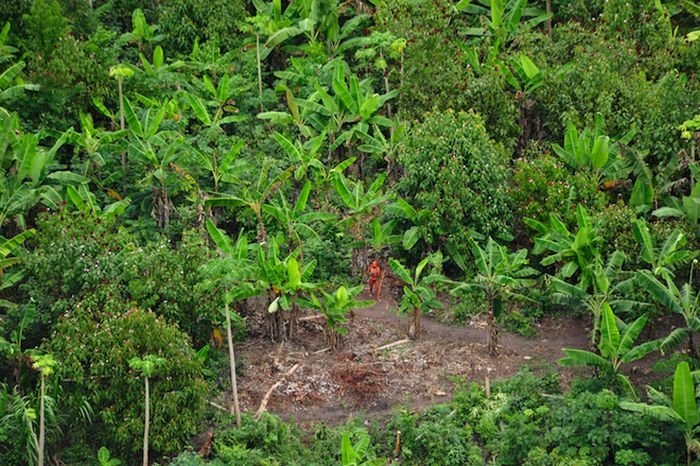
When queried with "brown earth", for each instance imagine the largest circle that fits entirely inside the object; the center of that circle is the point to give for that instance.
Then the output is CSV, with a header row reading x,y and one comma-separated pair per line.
x,y
358,379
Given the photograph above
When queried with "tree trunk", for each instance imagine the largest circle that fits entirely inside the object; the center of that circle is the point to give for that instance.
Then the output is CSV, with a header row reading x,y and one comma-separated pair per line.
x,y
120,85
232,366
691,344
414,329
42,421
257,51
293,321
492,340
146,423
548,10
332,338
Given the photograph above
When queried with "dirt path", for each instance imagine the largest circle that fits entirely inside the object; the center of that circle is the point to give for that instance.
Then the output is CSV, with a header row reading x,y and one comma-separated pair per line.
x,y
332,386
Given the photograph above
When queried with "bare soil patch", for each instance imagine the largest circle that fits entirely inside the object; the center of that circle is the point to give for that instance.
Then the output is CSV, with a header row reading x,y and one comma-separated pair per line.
x,y
358,379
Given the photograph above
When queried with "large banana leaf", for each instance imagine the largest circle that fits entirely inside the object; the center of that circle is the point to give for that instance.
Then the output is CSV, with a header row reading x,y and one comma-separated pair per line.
x,y
578,357
684,395
630,334
401,271
664,294
662,413
220,238
609,345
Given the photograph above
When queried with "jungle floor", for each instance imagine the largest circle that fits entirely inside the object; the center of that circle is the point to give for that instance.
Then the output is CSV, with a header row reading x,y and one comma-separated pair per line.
x,y
311,384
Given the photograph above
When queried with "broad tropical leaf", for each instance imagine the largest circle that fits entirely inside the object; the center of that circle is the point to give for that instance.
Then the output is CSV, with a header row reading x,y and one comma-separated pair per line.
x,y
684,395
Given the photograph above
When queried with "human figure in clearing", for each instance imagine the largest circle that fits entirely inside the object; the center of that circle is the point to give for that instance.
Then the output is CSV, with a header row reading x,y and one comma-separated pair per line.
x,y
375,279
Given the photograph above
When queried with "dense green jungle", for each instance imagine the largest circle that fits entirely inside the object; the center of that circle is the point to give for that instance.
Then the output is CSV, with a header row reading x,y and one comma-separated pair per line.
x,y
185,178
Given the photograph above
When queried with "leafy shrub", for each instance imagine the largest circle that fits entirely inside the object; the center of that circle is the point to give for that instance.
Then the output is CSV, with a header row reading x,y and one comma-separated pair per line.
x,y
436,72
70,74
183,21
584,11
74,255
269,441
434,438
609,77
640,21
84,260
591,426
94,348
615,228
541,185
455,171
45,26
145,269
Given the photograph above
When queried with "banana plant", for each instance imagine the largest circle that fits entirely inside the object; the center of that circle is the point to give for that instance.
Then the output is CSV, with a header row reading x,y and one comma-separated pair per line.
x,y
11,82
141,33
29,170
85,201
158,151
362,208
156,68
684,301
499,275
594,151
501,20
94,145
287,283
221,98
645,191
272,27
681,409
254,196
8,247
687,207
527,77
344,111
616,347
573,252
355,455
418,293
608,286
401,209
352,109
232,275
305,156
223,169
361,204
295,220
326,31
379,145
335,307
663,260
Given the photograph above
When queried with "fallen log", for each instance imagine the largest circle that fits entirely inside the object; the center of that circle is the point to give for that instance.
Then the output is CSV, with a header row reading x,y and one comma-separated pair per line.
x,y
266,398
391,345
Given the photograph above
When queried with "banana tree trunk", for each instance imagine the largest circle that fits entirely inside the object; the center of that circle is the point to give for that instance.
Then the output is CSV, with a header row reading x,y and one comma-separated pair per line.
x,y
257,51
414,329
120,85
293,323
492,337
42,421
147,421
691,344
235,409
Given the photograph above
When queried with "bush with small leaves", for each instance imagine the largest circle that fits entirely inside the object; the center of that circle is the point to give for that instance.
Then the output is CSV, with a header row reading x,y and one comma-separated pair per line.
x,y
453,169
94,348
